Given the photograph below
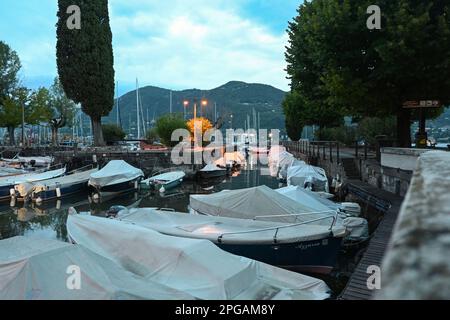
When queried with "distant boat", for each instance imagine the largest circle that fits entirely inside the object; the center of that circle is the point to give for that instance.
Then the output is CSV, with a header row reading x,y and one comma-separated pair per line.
x,y
7,184
116,177
194,266
56,188
30,161
301,246
164,181
307,176
211,171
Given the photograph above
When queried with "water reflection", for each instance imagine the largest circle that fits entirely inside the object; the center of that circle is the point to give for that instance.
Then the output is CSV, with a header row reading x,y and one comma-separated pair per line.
x,y
48,219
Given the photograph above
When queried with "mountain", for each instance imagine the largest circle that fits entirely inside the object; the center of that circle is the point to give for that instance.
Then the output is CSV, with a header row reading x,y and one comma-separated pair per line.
x,y
234,98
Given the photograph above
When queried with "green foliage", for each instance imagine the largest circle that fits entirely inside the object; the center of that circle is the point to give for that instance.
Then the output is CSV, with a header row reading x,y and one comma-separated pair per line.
x,y
40,106
344,134
113,133
9,68
370,128
293,107
85,60
337,64
61,106
166,125
152,135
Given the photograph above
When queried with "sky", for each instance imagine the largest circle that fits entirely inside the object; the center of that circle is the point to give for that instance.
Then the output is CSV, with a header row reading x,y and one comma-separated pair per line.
x,y
175,44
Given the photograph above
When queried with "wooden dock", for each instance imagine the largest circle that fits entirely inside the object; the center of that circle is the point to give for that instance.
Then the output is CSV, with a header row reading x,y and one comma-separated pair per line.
x,y
389,203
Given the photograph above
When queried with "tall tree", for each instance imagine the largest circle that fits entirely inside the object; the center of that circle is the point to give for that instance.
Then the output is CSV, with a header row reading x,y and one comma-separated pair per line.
x,y
85,60
9,68
13,107
335,59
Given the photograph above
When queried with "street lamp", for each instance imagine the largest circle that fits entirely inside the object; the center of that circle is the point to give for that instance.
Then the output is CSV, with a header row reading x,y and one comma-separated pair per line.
x,y
203,103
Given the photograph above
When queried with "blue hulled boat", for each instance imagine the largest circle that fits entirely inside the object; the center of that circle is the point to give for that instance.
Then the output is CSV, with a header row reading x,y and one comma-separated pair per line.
x,y
304,247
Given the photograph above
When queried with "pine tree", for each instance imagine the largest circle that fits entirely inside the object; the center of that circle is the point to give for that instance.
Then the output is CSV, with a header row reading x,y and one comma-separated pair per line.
x,y
85,60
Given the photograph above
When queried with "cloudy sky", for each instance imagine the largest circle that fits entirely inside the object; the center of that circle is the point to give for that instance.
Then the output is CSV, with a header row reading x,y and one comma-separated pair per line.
x,y
177,44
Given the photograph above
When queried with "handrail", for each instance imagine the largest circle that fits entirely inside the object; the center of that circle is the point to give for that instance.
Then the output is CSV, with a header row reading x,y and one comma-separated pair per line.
x,y
295,214
220,238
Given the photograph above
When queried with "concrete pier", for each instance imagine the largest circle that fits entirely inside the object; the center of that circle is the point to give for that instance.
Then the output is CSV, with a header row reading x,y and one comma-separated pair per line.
x,y
417,263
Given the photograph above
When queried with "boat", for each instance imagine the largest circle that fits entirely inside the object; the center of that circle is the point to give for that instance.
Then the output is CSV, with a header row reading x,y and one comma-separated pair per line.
x,y
300,247
116,177
211,171
56,188
308,176
259,150
38,269
233,160
30,161
7,184
194,266
164,181
257,203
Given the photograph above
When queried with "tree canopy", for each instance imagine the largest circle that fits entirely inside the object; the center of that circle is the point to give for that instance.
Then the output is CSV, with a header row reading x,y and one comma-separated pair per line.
x,y
85,60
340,67
9,68
166,125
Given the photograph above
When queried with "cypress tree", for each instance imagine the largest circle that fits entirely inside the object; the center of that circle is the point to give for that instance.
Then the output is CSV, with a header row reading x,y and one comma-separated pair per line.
x,y
85,60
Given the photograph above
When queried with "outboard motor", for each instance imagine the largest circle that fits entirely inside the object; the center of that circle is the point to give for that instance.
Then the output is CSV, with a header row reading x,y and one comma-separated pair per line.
x,y
309,184
114,211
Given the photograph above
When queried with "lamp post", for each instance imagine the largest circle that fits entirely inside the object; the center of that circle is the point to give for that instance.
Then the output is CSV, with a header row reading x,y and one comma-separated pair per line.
x,y
203,103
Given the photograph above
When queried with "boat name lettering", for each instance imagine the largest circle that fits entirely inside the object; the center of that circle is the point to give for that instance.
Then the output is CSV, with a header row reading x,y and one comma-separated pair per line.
x,y
309,245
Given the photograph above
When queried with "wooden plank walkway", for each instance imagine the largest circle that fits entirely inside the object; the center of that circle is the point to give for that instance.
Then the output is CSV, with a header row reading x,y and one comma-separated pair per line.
x,y
389,203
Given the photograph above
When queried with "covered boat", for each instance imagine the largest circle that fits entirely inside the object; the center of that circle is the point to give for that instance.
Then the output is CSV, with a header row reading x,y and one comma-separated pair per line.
x,y
194,266
231,160
258,203
7,184
308,176
212,171
56,188
34,269
116,177
164,181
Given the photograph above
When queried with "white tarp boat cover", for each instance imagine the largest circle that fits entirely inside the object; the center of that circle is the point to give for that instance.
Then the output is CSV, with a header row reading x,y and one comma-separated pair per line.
x,y
299,175
230,158
211,168
260,202
196,267
225,230
115,172
309,198
34,269
26,189
167,177
32,177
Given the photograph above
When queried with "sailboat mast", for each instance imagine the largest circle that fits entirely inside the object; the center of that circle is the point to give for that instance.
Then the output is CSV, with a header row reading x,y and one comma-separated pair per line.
x,y
170,108
137,111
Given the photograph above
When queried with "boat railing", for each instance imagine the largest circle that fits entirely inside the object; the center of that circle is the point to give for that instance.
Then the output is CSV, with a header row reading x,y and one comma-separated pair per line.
x,y
295,214
277,228
83,169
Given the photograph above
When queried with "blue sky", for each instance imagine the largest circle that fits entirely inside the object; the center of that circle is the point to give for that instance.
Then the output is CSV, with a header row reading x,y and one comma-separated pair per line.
x,y
175,44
